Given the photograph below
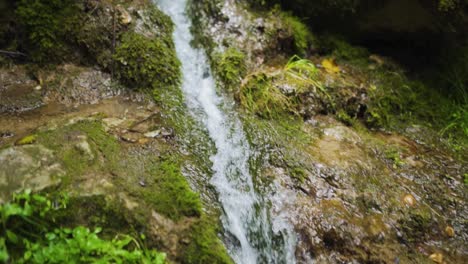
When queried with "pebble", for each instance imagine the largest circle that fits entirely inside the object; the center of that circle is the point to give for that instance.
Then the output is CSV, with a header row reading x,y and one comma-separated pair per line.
x,y
152,134
409,200
450,231
437,257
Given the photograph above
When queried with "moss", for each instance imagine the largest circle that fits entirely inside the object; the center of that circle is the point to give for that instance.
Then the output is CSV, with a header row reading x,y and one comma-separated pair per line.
x,y
63,141
205,246
303,38
230,67
299,174
146,63
394,155
171,195
27,140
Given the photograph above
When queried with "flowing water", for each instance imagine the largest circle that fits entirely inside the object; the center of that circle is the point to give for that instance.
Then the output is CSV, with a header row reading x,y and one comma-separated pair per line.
x,y
252,234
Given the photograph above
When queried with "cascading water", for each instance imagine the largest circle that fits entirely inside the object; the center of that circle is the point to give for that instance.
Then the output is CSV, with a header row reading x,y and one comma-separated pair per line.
x,y
246,216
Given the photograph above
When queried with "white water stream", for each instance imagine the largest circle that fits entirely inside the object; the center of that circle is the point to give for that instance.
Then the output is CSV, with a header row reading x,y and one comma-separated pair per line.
x,y
245,214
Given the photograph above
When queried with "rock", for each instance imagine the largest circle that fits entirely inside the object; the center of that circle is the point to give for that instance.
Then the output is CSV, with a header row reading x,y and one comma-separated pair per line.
x,y
130,137
153,134
27,167
84,147
112,122
409,200
449,231
6,134
167,132
142,127
143,141
124,17
437,257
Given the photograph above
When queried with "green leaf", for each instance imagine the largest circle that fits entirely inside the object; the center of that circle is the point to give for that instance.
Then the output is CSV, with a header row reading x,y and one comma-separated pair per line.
x,y
12,237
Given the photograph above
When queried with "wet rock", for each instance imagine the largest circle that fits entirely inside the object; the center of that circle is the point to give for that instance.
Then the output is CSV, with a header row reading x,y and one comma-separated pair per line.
x,y
449,231
409,200
28,166
124,17
74,85
17,91
437,258
112,122
83,146
153,134
130,137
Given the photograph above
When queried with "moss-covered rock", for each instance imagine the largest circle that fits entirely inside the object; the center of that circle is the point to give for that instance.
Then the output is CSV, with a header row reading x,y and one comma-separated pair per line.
x,y
146,63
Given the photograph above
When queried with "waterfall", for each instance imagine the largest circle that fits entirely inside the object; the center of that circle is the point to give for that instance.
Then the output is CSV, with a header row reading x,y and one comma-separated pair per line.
x,y
245,213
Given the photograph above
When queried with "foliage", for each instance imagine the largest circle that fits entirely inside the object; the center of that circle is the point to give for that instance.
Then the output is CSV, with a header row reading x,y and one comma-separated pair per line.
x,y
146,63
259,96
48,26
302,73
303,38
260,92
29,236
230,67
80,245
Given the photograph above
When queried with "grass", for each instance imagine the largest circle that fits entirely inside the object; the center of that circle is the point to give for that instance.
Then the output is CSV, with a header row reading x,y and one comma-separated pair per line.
x,y
230,67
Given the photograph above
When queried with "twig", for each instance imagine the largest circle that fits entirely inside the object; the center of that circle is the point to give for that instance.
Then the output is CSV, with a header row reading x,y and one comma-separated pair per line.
x,y
13,53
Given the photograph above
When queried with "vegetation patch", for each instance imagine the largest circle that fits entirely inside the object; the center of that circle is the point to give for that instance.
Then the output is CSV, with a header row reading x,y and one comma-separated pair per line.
x,y
303,38
205,246
230,67
30,235
146,63
170,194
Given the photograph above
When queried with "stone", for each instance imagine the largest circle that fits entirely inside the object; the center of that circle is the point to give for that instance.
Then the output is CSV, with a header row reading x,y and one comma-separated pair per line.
x,y
125,18
153,134
27,167
130,137
437,257
449,231
84,147
409,200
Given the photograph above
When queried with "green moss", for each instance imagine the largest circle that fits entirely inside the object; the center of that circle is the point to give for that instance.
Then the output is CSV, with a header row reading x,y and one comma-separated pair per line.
x,y
64,141
146,63
230,67
299,174
205,246
303,38
171,195
27,140
394,155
